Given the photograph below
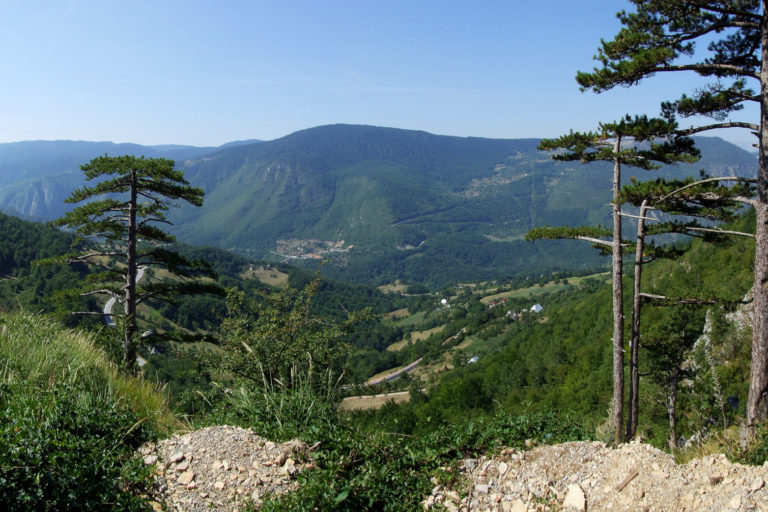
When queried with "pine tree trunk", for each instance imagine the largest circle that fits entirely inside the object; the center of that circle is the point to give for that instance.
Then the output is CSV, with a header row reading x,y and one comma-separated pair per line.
x,y
129,344
672,406
634,341
618,304
757,406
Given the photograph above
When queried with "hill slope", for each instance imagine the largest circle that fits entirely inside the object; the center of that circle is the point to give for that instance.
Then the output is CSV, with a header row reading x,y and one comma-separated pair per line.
x,y
378,203
381,203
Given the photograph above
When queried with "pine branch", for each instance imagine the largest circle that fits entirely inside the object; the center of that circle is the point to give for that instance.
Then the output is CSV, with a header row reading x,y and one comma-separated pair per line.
x,y
708,180
731,124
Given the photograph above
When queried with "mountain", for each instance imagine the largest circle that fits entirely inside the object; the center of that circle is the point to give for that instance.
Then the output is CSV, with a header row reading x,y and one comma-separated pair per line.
x,y
36,176
377,203
383,203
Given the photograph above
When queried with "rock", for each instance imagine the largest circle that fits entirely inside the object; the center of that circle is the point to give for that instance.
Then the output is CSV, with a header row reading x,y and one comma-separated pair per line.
x,y
219,485
517,506
575,498
186,477
735,502
150,459
756,484
176,457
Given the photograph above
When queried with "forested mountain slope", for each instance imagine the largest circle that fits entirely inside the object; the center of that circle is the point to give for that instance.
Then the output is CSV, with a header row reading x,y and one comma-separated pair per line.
x,y
562,358
381,203
377,203
36,176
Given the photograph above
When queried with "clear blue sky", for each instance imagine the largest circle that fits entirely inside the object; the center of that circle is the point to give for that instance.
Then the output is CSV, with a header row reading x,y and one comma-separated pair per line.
x,y
205,72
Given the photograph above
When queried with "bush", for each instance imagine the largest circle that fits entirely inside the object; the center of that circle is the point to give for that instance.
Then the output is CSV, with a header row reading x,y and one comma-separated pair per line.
x,y
69,448
391,472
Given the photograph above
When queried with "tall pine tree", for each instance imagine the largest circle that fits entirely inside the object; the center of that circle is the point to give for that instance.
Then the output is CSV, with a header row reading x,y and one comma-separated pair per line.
x,y
637,142
661,37
119,216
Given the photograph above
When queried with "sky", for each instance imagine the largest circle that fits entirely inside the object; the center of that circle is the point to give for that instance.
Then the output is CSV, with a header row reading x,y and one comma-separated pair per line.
x,y
205,73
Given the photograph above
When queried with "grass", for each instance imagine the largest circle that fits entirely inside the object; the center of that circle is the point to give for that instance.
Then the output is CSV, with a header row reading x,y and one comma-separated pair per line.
x,y
37,351
411,320
398,314
396,287
416,336
532,291
271,277
364,402
72,421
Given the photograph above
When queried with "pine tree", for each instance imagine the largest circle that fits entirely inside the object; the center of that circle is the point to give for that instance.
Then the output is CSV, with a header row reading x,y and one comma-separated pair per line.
x,y
131,195
636,142
661,37
702,199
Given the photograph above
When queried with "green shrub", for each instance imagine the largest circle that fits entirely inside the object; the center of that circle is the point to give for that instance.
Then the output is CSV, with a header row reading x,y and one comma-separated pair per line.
x,y
757,453
69,448
358,471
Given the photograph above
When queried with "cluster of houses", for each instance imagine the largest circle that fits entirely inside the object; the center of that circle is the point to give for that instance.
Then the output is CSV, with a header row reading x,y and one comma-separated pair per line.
x,y
536,308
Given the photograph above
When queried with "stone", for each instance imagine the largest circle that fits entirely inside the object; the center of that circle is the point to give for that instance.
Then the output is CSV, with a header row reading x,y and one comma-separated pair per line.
x,y
182,466
735,502
176,457
575,498
150,459
186,477
756,484
219,485
517,506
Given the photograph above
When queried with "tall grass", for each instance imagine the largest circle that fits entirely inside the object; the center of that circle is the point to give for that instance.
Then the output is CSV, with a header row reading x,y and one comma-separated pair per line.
x,y
283,411
70,422
37,351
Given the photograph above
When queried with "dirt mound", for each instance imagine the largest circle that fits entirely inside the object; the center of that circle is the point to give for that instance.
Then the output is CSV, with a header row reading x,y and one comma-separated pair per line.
x,y
591,476
221,467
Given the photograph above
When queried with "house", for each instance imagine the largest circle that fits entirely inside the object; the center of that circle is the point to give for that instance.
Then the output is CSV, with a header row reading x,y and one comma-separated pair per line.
x,y
536,308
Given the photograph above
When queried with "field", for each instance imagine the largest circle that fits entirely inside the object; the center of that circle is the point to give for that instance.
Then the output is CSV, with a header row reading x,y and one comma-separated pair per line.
x,y
268,276
532,291
398,314
361,403
396,287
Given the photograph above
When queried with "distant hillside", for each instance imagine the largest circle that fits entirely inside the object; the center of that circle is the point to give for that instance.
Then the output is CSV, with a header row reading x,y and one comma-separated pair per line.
x,y
377,203
36,176
380,203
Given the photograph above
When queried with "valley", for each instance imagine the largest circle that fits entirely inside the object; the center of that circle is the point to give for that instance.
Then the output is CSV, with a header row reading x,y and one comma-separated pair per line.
x,y
407,324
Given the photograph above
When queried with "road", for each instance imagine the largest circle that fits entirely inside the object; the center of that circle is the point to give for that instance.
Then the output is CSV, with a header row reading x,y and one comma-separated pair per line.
x,y
392,376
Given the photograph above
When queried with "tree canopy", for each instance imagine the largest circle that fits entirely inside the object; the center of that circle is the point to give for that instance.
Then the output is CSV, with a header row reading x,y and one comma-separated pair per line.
x,y
119,217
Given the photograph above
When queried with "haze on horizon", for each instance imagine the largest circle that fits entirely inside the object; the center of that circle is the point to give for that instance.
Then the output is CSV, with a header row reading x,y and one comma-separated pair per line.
x,y
205,74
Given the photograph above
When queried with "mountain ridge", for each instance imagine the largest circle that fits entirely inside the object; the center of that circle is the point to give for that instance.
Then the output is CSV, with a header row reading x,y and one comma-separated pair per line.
x,y
381,203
